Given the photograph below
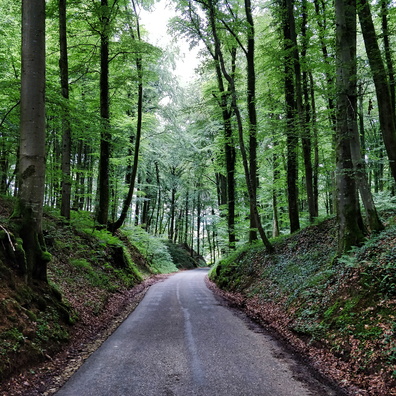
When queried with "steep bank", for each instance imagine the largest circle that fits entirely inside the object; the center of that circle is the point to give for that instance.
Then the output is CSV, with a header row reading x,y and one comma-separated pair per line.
x,y
95,279
339,314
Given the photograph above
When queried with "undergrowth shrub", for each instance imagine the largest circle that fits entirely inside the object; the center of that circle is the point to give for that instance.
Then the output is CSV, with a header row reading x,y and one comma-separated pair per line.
x,y
154,250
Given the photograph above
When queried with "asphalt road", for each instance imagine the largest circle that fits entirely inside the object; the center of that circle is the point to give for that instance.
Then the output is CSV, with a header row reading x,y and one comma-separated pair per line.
x,y
182,341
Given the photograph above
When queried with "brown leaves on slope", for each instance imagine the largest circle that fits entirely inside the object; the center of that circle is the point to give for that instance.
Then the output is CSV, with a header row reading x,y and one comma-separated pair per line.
x,y
273,317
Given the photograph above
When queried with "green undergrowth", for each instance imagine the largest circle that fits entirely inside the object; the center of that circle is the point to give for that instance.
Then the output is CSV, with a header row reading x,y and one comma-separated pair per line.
x,y
154,249
88,267
347,305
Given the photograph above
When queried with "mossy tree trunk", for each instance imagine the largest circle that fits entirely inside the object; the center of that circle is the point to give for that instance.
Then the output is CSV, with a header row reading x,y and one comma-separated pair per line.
x,y
32,139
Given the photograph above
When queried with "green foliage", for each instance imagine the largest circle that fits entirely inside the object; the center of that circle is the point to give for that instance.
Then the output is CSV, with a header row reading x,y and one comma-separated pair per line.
x,y
95,277
153,249
180,256
11,340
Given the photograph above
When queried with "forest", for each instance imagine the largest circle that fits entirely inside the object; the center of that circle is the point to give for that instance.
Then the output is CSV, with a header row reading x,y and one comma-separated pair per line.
x,y
289,121
291,118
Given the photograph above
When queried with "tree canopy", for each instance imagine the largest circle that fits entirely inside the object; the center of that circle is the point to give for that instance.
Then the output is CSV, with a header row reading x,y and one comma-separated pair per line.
x,y
281,124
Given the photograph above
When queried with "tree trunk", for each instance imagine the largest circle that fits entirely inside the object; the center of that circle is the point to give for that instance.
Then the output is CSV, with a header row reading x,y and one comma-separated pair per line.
x,y
306,120
185,240
388,50
66,136
291,124
229,149
252,113
172,214
159,198
199,220
350,233
128,199
386,109
105,136
315,182
32,139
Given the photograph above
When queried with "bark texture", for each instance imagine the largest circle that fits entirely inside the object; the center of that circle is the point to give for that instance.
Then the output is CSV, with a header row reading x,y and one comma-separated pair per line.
x,y
32,138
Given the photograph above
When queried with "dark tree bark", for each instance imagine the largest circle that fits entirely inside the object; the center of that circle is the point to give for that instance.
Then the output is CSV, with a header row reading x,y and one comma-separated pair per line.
x,y
32,139
306,121
252,113
385,102
349,220
276,176
159,197
291,121
315,180
221,187
66,135
105,136
388,50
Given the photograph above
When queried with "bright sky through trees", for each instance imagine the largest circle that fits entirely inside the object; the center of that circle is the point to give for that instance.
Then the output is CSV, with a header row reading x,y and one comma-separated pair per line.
x,y
156,23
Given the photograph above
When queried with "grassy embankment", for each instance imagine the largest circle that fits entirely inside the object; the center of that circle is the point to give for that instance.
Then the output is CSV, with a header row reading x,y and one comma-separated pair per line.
x,y
339,313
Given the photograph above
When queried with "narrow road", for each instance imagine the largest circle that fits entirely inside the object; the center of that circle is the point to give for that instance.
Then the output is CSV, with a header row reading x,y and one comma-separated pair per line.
x,y
181,341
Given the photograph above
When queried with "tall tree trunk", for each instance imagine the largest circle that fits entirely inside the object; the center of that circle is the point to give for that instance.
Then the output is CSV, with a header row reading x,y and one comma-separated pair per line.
x,y
66,135
172,214
229,149
386,109
363,184
275,172
105,136
252,113
291,122
185,240
223,96
315,180
232,90
306,120
350,233
128,199
388,51
159,198
32,139
199,220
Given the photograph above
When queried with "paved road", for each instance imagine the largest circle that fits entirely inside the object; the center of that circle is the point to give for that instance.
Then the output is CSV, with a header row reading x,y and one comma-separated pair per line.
x,y
181,341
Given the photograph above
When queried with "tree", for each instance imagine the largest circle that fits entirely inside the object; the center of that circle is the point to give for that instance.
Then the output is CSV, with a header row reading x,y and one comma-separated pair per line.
x,y
105,136
66,136
32,138
195,29
134,168
292,95
350,232
385,101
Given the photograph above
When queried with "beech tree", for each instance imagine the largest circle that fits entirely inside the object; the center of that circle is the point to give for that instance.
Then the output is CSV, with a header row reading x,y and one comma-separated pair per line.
x,y
66,135
350,232
32,139
385,100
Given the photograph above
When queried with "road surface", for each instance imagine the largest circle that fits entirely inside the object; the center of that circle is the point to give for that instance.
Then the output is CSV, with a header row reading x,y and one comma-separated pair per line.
x,y
182,341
